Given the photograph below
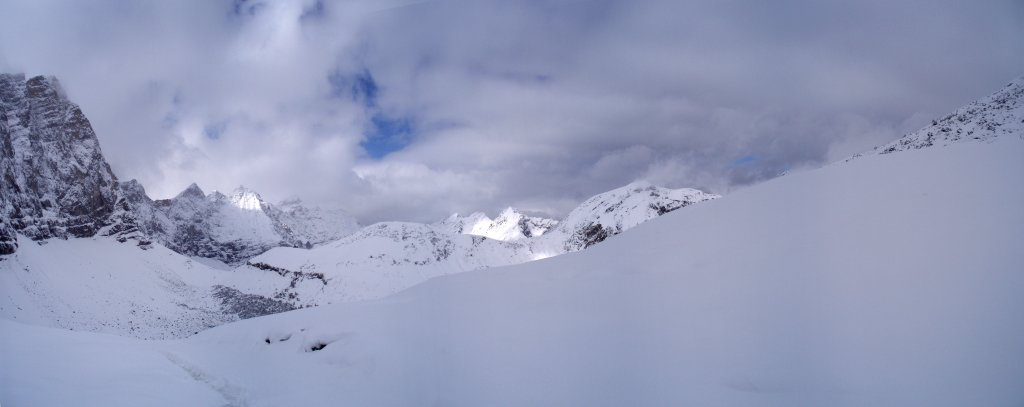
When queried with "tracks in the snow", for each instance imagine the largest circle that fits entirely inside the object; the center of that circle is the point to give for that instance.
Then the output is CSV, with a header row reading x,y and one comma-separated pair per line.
x,y
233,395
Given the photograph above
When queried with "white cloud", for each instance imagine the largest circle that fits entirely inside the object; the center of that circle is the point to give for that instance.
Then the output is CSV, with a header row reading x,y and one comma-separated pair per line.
x,y
537,104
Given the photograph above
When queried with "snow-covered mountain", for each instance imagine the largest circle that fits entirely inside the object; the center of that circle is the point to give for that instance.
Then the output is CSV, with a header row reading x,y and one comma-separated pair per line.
x,y
232,228
796,291
310,225
382,259
388,257
596,219
998,115
509,225
56,182
173,296
57,185
613,212
227,228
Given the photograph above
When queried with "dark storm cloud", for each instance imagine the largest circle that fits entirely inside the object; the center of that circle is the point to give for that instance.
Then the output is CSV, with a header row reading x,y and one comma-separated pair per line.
x,y
411,110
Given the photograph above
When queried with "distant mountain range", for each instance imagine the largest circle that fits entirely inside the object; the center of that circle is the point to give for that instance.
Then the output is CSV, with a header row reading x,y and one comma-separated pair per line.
x,y
57,184
201,259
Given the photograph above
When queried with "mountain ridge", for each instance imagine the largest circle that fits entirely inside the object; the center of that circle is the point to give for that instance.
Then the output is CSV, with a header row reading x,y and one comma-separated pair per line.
x,y
983,120
370,263
57,184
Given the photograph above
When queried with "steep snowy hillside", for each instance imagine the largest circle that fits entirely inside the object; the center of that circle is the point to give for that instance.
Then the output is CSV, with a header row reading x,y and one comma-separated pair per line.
x,y
55,180
758,298
101,285
998,115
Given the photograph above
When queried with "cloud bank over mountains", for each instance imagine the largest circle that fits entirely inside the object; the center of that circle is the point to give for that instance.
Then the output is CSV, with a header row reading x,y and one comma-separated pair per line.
x,y
410,110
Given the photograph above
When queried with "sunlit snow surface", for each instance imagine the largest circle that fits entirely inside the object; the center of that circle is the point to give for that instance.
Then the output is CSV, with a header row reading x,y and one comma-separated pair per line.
x,y
890,280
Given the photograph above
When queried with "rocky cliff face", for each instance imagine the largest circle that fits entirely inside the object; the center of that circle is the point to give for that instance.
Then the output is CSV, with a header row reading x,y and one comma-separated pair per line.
x,y
230,228
56,182
217,226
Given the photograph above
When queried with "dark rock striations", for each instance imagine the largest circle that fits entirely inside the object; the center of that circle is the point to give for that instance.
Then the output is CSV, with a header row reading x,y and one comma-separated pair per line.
x,y
56,182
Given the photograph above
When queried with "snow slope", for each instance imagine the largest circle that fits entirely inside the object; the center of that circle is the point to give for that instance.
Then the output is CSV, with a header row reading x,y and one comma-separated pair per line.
x,y
890,280
101,285
998,115
150,292
385,258
388,257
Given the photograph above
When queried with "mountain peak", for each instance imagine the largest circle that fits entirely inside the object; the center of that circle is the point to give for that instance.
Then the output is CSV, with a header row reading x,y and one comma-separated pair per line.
x,y
612,212
45,87
133,188
192,191
510,224
509,213
132,184
246,198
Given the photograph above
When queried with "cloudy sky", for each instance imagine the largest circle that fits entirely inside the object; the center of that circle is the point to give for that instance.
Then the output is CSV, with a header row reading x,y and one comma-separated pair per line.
x,y
410,110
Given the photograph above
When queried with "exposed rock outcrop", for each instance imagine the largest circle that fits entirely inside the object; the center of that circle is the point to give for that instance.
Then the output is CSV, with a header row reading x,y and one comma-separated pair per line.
x,y
56,182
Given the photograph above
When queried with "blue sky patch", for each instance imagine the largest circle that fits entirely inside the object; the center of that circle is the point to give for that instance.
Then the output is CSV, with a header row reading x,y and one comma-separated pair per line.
x,y
384,133
745,160
387,135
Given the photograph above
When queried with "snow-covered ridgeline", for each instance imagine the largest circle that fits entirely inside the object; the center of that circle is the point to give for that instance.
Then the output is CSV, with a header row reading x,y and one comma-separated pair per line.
x,y
998,115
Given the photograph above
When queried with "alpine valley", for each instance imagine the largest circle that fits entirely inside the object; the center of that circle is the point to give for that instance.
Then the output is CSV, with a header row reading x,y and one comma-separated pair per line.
x,y
890,278
169,268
